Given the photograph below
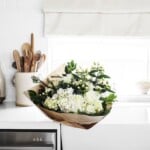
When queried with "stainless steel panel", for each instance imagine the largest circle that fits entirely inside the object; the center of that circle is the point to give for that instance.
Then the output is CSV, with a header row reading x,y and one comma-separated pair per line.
x,y
28,139
26,148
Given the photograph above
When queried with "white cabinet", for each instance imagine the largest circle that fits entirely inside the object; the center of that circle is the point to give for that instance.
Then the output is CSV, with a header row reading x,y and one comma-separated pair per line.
x,y
125,128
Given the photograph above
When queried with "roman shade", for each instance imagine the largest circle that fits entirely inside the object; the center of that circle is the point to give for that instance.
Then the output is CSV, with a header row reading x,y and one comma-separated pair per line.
x,y
97,17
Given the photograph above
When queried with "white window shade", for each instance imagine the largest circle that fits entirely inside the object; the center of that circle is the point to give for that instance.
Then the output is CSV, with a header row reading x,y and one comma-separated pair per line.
x,y
97,17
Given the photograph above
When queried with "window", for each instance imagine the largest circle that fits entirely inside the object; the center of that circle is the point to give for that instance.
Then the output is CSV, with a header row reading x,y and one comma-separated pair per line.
x,y
126,60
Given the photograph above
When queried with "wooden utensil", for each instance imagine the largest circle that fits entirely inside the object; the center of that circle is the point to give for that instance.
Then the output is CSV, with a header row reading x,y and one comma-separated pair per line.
x,y
27,64
36,57
41,61
22,63
32,43
26,48
16,56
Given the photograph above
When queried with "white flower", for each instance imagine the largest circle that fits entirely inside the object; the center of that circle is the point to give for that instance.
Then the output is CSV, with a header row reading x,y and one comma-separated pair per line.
x,y
60,91
47,89
92,95
51,104
90,109
94,107
72,103
66,101
55,96
67,79
64,92
69,91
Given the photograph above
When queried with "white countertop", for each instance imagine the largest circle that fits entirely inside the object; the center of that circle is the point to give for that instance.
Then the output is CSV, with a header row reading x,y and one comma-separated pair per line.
x,y
128,113
12,116
121,113
10,112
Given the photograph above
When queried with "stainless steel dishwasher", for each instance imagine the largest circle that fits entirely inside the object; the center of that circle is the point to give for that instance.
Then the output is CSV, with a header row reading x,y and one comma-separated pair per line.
x,y
28,139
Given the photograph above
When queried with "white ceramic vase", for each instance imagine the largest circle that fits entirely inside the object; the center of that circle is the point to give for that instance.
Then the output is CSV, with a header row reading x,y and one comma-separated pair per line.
x,y
23,82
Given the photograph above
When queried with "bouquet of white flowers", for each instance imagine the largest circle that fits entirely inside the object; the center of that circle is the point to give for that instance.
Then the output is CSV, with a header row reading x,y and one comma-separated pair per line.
x,y
75,96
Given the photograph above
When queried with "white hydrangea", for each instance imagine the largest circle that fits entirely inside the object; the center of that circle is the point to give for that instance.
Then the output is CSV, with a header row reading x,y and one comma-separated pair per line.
x,y
92,95
51,103
72,103
66,101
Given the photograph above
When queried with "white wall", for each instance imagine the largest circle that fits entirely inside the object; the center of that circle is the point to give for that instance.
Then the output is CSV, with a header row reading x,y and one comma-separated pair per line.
x,y
18,18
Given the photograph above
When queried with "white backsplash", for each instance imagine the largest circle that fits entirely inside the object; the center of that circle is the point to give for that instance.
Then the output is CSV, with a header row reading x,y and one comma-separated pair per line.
x,y
18,19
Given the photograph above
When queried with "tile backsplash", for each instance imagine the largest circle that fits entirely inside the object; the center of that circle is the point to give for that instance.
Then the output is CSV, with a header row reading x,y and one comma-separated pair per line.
x,y
19,18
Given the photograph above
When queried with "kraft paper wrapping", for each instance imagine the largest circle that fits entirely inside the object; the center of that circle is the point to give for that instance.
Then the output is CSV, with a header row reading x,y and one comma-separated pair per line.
x,y
71,119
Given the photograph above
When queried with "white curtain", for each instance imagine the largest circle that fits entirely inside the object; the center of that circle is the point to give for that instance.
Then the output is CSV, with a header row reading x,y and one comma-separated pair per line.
x,y
97,17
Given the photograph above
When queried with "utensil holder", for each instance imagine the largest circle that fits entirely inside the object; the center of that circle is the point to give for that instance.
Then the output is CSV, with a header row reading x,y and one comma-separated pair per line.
x,y
23,82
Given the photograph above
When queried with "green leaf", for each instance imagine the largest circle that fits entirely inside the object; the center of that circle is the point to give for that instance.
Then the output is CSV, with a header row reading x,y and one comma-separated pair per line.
x,y
103,76
109,99
71,66
35,79
32,93
36,98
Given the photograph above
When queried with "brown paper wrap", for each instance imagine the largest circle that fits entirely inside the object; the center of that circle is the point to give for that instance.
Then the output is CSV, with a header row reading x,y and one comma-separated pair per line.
x,y
74,120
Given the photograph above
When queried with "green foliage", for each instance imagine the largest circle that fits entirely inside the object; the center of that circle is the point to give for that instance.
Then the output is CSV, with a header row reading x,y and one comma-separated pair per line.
x,y
35,79
109,99
36,98
71,66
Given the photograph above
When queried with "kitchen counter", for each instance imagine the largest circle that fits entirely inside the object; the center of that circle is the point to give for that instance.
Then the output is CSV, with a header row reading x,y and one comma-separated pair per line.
x,y
10,112
12,116
121,113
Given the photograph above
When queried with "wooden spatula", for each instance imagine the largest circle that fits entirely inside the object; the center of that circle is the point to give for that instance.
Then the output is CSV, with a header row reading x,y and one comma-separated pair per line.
x,y
16,56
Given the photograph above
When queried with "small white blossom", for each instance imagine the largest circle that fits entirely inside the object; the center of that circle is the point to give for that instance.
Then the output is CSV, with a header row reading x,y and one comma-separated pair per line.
x,y
51,104
68,78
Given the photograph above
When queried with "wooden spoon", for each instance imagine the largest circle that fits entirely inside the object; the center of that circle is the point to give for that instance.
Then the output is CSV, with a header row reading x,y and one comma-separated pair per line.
x,y
26,64
26,48
41,61
36,57
16,56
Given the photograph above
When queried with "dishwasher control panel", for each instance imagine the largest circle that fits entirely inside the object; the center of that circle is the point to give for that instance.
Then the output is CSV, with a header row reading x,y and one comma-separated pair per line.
x,y
28,139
